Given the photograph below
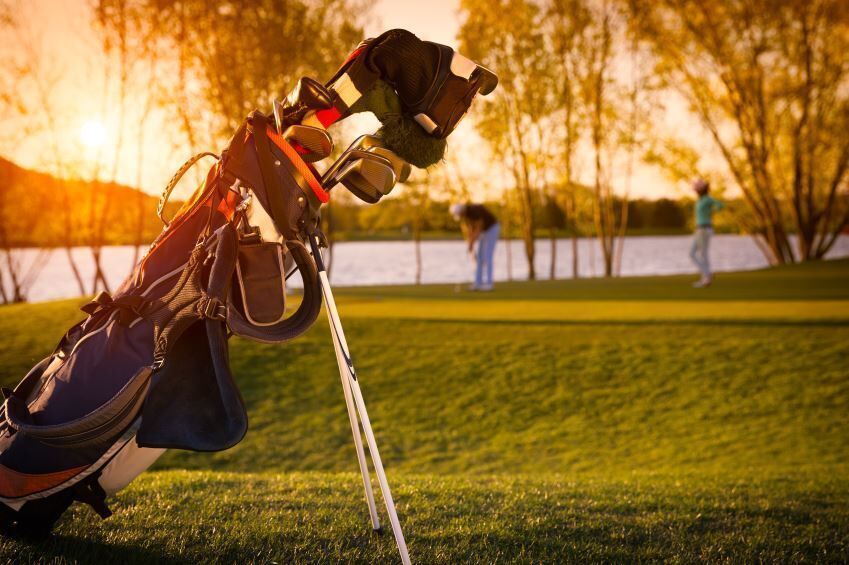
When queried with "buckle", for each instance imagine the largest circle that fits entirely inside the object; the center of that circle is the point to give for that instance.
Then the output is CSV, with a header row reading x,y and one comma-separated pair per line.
x,y
212,308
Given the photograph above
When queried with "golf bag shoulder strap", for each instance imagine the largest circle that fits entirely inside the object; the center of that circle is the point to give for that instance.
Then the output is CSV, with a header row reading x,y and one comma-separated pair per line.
x,y
289,167
257,126
304,175
194,403
190,300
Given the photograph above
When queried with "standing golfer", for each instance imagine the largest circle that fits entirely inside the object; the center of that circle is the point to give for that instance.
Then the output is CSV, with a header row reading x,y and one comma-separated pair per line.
x,y
705,207
479,225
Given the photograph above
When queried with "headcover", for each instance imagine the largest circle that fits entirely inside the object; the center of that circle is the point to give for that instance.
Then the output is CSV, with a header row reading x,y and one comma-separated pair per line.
x,y
419,91
435,84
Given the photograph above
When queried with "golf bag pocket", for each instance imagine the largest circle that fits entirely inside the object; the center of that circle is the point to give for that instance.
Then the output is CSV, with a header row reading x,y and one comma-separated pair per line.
x,y
261,276
90,397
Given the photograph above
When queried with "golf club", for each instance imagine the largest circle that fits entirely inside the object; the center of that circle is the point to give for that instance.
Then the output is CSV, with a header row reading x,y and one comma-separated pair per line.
x,y
314,141
367,169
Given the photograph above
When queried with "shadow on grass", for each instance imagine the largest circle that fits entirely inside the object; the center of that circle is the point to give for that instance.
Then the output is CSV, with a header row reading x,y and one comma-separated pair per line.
x,y
60,548
319,518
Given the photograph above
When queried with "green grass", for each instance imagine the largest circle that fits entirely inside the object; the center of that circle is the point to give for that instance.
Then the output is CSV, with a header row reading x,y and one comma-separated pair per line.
x,y
623,420
203,516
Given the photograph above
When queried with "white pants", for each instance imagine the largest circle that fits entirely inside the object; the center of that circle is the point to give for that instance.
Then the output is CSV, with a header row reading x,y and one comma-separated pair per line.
x,y
699,252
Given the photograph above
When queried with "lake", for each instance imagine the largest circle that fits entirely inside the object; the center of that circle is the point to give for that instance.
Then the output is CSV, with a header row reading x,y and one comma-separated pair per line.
x,y
393,262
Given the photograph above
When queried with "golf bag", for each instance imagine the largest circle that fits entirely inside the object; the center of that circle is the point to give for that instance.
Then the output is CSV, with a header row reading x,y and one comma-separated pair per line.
x,y
147,369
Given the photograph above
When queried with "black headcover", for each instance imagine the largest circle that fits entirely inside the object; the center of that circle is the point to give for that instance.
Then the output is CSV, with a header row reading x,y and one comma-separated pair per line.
x,y
435,84
418,90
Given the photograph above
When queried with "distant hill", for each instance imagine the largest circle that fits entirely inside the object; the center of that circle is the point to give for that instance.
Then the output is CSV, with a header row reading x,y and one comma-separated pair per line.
x,y
38,209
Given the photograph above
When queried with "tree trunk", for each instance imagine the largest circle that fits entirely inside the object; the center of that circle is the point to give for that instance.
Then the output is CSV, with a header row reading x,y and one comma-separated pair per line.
x,y
528,232
3,295
572,211
12,268
552,274
417,238
620,243
138,239
574,256
507,244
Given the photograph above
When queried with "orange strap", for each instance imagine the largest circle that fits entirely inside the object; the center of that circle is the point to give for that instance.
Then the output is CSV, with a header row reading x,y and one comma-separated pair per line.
x,y
299,163
15,485
228,204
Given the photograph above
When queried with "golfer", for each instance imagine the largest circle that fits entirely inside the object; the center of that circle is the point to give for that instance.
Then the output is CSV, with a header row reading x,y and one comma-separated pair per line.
x,y
704,209
481,226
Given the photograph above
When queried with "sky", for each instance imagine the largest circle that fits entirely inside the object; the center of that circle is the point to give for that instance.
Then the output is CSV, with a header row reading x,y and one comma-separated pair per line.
x,y
62,32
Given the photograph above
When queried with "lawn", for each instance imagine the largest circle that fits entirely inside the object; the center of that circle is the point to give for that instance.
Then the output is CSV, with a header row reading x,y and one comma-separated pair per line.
x,y
590,420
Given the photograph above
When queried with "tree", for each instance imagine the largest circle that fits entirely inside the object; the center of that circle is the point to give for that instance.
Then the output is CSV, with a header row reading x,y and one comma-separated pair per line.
x,y
232,57
769,81
214,64
600,96
553,218
128,35
416,196
27,82
13,191
507,35
568,22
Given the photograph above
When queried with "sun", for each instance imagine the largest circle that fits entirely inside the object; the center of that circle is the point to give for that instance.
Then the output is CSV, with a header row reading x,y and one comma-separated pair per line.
x,y
93,134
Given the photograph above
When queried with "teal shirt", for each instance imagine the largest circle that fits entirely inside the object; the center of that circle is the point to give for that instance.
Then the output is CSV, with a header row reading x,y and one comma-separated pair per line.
x,y
705,207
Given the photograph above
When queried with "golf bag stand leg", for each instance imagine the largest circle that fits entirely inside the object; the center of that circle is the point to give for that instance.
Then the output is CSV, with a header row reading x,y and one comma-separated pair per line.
x,y
351,387
358,440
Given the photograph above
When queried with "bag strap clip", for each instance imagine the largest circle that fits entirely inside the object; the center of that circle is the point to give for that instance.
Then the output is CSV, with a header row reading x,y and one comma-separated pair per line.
x,y
212,308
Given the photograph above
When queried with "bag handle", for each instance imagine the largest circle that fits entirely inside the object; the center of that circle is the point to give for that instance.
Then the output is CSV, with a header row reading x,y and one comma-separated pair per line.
x,y
163,200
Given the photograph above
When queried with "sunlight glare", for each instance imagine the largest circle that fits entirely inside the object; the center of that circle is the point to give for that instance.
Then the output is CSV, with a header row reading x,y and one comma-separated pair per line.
x,y
93,134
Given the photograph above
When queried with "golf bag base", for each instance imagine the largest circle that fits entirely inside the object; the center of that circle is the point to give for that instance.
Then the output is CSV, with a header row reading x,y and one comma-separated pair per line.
x,y
35,519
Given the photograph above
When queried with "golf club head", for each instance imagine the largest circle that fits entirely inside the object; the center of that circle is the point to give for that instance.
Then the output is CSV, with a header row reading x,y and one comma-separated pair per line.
x,y
369,179
367,169
374,144
308,95
315,141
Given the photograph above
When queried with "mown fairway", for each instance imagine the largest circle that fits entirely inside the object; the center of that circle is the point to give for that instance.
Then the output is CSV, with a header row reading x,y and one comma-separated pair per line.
x,y
631,419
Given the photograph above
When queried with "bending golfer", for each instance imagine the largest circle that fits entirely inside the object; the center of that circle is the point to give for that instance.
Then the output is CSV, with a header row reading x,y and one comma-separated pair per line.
x,y
481,226
705,207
